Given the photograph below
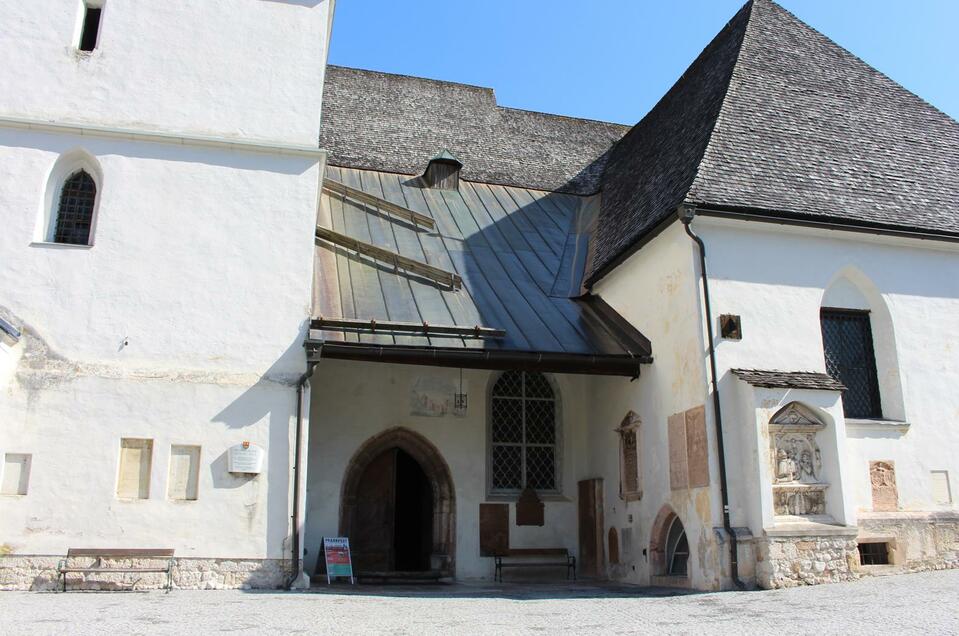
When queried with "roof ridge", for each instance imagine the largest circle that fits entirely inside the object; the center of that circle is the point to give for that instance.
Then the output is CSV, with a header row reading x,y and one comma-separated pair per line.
x,y
420,78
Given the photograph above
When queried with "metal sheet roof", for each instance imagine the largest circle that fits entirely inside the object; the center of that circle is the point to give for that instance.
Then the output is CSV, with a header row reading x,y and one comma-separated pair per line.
x,y
519,252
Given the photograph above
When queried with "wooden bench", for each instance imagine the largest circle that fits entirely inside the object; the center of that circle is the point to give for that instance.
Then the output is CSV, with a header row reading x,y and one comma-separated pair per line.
x,y
535,557
64,567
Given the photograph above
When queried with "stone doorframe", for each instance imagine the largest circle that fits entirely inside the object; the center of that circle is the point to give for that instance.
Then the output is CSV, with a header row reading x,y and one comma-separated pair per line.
x,y
437,472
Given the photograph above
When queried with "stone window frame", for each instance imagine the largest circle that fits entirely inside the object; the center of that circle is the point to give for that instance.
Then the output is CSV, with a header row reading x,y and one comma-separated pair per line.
x,y
556,494
631,424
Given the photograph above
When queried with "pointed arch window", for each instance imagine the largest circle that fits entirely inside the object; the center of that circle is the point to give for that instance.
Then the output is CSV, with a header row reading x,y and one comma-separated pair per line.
x,y
74,215
523,434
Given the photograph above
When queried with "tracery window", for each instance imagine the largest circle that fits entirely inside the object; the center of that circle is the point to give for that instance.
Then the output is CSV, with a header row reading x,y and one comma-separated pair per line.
x,y
74,216
523,434
677,549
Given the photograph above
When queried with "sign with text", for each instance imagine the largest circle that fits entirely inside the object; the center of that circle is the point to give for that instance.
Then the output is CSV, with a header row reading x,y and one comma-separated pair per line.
x,y
338,563
245,458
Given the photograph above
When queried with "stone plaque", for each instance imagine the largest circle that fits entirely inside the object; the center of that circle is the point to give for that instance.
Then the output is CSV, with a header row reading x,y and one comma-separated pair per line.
x,y
882,475
697,447
678,478
613,549
529,509
494,528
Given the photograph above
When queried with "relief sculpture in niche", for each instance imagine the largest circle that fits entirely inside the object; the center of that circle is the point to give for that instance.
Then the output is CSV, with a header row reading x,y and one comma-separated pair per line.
x,y
798,484
882,476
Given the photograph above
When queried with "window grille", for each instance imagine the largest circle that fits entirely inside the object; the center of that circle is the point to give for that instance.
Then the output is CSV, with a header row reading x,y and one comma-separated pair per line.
x,y
874,553
523,434
75,210
847,342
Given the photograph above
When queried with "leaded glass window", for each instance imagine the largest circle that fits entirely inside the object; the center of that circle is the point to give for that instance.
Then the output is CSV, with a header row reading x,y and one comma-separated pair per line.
x,y
523,436
75,209
847,343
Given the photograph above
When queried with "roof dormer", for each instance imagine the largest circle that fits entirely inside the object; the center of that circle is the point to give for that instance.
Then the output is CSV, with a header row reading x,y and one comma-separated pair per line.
x,y
443,172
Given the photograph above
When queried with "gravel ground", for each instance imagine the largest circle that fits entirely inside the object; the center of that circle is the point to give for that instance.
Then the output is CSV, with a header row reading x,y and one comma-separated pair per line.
x,y
925,603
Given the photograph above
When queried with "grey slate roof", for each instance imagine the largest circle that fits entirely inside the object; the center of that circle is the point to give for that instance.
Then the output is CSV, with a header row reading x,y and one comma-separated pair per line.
x,y
774,116
789,379
512,246
395,123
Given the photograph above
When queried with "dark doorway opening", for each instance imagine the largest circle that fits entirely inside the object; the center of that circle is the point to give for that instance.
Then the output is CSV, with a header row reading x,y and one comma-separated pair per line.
x,y
413,531
392,521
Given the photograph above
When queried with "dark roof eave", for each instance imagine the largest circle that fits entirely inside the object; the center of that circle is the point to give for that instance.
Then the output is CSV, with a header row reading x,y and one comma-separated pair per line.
x,y
493,359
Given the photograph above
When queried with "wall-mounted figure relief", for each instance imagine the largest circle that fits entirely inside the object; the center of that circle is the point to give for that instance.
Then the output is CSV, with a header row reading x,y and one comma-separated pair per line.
x,y
796,460
630,485
882,476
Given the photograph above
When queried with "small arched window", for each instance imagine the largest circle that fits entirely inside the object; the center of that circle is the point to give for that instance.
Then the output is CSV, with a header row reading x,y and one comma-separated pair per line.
x,y
677,549
523,434
74,213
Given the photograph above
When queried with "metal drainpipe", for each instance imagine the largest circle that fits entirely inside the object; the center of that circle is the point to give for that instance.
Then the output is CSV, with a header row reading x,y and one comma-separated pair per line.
x,y
297,444
686,214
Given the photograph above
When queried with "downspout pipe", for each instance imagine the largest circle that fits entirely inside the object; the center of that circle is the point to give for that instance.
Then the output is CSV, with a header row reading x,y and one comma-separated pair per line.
x,y
686,214
297,450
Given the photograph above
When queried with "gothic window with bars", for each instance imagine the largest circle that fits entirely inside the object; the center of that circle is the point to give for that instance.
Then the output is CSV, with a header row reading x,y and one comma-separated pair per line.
x,y
850,358
523,434
75,209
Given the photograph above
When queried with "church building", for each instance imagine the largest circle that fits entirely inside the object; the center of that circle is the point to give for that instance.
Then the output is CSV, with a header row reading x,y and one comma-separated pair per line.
x,y
250,301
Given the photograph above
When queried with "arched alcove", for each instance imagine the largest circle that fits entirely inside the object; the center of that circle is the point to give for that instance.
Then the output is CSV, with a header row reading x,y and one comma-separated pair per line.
x,y
69,165
851,289
668,545
437,474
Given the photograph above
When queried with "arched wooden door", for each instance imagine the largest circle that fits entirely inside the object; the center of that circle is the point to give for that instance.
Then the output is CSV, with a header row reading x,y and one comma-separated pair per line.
x,y
374,516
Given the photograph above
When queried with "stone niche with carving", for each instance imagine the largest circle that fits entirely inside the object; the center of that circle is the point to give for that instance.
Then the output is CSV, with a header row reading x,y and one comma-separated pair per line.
x,y
798,486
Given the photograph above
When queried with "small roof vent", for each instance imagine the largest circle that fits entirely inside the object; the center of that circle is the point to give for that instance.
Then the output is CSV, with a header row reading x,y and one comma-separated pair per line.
x,y
443,172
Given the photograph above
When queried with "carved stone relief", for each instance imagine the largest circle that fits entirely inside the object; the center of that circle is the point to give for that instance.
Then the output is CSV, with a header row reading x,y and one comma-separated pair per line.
x,y
630,488
882,476
796,460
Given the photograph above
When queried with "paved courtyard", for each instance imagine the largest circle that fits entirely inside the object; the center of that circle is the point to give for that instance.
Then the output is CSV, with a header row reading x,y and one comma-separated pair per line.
x,y
926,603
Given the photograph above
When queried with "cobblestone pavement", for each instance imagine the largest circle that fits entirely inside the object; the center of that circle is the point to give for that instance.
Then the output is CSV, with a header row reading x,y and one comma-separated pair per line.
x,y
925,603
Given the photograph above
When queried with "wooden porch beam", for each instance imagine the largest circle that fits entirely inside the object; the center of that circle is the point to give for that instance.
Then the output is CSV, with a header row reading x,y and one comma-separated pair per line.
x,y
423,328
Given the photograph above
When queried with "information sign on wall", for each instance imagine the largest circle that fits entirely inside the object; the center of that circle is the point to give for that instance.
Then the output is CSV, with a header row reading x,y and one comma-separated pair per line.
x,y
338,563
246,458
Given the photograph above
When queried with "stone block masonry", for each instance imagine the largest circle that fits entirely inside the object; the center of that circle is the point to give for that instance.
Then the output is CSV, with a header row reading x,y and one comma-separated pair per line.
x,y
789,561
39,573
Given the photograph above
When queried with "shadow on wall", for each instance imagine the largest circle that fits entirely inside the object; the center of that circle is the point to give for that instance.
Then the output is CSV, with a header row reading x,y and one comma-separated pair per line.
x,y
273,396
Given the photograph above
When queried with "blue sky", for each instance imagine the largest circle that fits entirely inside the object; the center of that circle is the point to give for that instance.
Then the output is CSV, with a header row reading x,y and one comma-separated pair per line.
x,y
613,59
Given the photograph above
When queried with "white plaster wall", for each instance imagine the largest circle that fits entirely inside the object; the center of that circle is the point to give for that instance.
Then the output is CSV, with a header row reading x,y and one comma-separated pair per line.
x,y
657,291
777,278
250,69
202,258
352,401
73,425
202,263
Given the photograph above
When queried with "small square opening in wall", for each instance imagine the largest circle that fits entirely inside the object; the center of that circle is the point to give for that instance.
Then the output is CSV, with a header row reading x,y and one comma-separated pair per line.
x,y
874,553
90,32
730,326
16,474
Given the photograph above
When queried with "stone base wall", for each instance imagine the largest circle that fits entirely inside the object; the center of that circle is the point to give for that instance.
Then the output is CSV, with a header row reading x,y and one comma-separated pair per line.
x,y
40,573
805,560
917,541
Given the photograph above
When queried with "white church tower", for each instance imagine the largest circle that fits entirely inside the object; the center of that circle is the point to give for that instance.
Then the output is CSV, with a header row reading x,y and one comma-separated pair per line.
x,y
157,204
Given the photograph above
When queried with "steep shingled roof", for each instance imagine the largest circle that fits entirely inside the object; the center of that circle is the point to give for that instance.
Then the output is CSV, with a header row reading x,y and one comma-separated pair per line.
x,y
395,123
774,116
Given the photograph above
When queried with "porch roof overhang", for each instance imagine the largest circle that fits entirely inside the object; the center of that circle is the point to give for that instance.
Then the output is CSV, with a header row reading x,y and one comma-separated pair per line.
x,y
626,365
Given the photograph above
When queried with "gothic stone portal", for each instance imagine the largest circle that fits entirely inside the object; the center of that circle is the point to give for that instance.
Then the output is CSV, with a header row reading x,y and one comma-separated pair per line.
x,y
398,507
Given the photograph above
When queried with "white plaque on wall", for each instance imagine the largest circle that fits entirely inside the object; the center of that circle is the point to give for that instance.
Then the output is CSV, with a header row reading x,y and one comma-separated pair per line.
x,y
245,458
